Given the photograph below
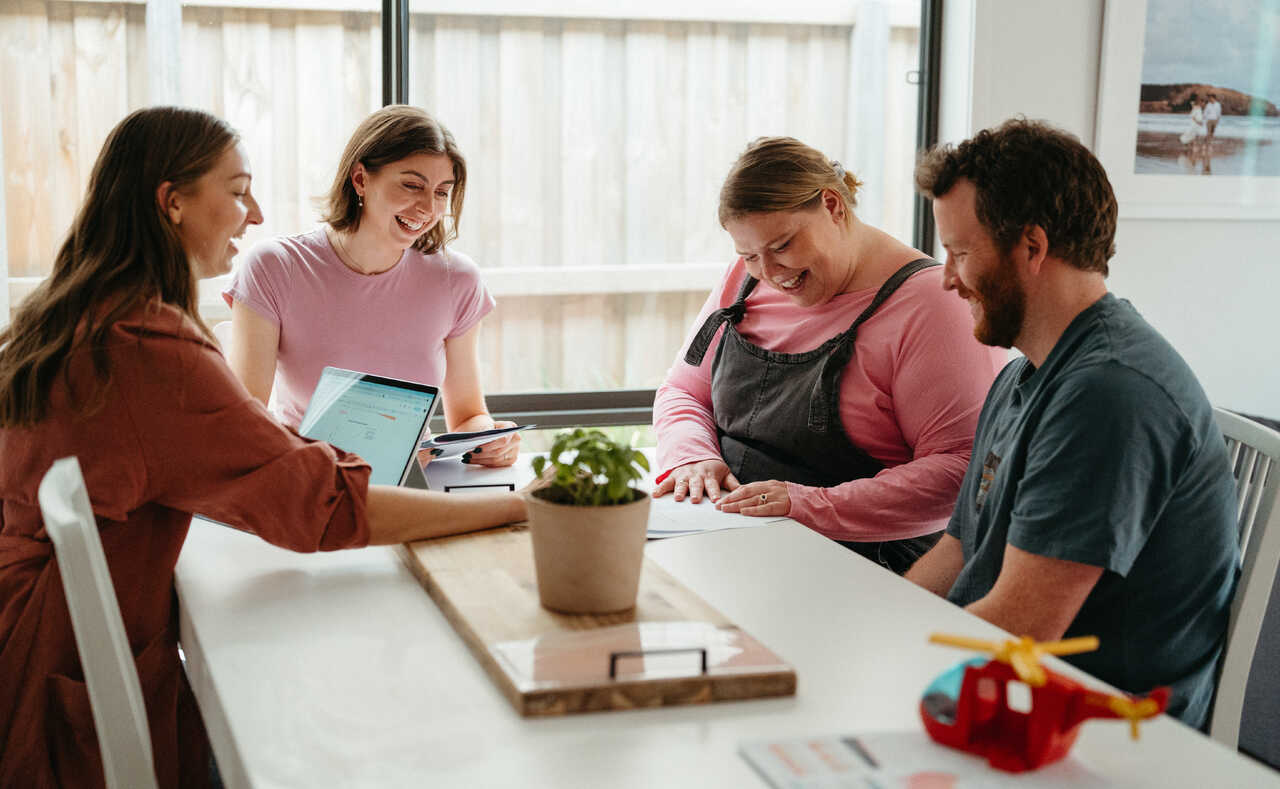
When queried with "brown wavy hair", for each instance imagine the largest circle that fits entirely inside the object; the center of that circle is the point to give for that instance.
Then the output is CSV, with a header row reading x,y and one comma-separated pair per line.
x,y
120,252
386,136
1030,173
783,174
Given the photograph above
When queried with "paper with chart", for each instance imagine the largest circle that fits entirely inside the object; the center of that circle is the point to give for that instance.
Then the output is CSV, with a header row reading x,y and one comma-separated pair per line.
x,y
671,518
893,760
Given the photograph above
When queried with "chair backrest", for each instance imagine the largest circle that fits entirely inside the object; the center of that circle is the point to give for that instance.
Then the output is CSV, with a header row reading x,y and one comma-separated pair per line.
x,y
1254,450
115,694
1247,686
222,331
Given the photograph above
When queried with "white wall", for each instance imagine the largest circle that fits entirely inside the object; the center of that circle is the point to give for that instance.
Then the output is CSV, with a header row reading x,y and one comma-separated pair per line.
x,y
1211,287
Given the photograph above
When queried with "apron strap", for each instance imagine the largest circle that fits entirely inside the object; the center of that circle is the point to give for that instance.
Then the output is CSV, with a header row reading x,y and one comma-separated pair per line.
x,y
886,290
824,407
731,314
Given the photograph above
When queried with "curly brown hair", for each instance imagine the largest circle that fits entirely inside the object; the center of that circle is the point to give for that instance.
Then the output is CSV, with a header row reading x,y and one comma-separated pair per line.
x,y
1030,173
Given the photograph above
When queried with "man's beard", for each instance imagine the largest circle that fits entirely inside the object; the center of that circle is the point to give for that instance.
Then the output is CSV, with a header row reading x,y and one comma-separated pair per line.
x,y
1004,306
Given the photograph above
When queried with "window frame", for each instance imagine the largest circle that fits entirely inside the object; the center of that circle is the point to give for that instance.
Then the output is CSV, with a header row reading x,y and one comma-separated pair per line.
x,y
603,407
635,406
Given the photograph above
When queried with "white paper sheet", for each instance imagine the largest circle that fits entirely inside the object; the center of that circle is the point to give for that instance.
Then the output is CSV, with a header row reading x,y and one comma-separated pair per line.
x,y
448,445
671,518
893,760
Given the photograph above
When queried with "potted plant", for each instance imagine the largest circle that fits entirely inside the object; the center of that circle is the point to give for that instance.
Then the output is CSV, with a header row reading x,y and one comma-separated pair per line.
x,y
588,523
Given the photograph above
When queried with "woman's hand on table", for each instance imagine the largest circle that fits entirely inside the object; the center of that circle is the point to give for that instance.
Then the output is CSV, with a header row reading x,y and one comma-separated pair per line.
x,y
695,479
497,453
759,499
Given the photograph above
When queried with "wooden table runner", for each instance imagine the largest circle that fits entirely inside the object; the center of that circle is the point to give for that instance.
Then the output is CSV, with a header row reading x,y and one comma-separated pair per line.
x,y
672,648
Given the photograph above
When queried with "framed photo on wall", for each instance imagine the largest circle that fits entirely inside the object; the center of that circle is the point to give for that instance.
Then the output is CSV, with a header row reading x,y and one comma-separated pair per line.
x,y
1189,108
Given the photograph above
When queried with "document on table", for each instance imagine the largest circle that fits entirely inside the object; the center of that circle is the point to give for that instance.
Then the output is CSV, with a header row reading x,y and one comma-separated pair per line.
x,y
892,760
671,518
451,444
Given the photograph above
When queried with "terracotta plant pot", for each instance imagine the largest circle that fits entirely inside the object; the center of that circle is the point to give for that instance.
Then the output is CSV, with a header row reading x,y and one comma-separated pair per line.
x,y
588,559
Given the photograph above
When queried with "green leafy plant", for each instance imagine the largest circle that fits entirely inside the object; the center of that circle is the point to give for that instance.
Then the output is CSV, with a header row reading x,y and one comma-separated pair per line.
x,y
590,469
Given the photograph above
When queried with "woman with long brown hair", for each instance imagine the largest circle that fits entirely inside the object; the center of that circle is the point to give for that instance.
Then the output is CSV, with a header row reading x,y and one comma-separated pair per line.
x,y
108,361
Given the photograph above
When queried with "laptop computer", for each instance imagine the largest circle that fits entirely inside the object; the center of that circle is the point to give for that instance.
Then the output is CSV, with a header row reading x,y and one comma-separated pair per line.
x,y
378,418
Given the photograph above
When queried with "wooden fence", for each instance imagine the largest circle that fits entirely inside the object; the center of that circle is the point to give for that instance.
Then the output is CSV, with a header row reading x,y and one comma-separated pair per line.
x,y
594,146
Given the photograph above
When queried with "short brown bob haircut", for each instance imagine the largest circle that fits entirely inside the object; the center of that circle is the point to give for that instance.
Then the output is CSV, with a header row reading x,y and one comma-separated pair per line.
x,y
389,135
1030,173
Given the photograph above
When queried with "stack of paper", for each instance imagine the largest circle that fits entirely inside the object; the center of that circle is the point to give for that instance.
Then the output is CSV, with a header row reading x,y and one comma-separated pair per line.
x,y
448,445
671,518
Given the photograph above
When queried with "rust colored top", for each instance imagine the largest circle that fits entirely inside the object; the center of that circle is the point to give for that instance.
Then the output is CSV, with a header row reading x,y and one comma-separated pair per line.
x,y
177,434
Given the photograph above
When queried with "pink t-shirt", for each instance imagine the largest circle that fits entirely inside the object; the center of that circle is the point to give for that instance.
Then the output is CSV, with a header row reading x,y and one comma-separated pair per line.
x,y
910,398
392,324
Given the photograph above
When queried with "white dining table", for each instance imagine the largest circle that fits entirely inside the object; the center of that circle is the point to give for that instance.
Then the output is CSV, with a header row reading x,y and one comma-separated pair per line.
x,y
337,669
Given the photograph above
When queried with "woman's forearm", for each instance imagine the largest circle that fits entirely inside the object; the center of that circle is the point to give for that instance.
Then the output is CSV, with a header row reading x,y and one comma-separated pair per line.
x,y
399,515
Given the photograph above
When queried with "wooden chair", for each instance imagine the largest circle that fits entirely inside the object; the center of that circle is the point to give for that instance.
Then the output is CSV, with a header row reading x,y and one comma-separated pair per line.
x,y
1246,711
115,694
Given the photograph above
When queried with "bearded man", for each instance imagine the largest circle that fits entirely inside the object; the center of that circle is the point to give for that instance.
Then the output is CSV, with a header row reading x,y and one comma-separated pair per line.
x,y
1098,500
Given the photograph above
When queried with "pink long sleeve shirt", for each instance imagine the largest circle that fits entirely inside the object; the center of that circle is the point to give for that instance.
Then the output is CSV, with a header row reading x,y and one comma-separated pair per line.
x,y
910,398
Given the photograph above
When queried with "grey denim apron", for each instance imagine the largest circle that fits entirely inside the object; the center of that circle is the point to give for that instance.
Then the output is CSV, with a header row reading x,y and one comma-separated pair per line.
x,y
778,414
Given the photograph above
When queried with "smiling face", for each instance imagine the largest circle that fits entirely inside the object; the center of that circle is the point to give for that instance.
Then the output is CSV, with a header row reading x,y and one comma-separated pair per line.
x,y
215,209
406,198
977,270
799,253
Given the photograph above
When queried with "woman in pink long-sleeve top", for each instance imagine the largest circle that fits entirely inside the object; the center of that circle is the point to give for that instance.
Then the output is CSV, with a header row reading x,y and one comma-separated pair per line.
x,y
845,392
108,361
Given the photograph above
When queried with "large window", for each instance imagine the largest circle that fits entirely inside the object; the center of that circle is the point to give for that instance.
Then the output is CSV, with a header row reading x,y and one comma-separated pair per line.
x,y
596,147
597,136
293,81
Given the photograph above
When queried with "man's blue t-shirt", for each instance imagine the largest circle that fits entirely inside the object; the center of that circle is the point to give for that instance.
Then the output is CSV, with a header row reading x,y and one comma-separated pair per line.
x,y
1108,455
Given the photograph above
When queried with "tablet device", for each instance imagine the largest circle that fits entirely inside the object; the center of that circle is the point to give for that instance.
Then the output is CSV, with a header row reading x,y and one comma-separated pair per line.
x,y
380,419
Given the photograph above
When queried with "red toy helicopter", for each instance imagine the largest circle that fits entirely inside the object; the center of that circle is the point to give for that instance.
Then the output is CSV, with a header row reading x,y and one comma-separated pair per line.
x,y
968,706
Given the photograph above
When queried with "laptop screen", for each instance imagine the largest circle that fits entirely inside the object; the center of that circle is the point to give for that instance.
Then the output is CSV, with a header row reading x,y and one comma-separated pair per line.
x,y
380,419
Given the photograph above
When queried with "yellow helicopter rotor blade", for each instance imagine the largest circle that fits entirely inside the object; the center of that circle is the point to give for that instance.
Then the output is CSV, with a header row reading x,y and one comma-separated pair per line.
x,y
964,642
1133,710
1069,646
1027,667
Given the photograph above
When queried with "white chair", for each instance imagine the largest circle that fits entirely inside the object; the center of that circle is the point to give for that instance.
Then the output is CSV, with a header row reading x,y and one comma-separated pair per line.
x,y
222,331
1249,686
115,694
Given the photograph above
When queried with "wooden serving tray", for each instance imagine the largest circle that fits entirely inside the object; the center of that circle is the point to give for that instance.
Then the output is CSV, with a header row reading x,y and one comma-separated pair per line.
x,y
672,648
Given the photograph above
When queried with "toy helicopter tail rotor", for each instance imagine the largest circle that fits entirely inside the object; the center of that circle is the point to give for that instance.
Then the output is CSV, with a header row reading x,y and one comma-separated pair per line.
x,y
1134,710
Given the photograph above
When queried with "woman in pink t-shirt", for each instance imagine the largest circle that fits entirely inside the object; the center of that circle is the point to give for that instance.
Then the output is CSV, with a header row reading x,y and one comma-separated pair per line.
x,y
374,288
846,391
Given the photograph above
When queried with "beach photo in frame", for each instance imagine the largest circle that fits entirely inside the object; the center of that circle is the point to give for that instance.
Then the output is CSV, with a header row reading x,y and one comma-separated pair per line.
x,y
1189,108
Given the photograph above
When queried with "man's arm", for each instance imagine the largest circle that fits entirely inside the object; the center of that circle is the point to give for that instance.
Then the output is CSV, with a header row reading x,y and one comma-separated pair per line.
x,y
938,569
1034,595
